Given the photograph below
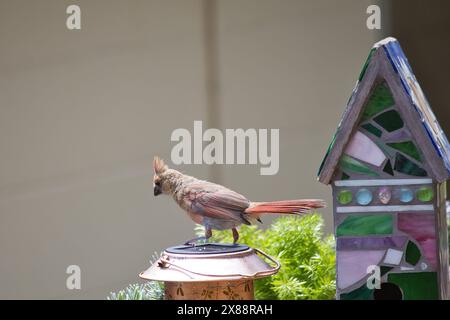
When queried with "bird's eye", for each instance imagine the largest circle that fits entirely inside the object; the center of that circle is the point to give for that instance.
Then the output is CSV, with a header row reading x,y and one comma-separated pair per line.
x,y
158,183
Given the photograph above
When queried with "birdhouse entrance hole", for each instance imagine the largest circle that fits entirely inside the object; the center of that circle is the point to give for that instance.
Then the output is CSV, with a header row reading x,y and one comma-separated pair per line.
x,y
388,291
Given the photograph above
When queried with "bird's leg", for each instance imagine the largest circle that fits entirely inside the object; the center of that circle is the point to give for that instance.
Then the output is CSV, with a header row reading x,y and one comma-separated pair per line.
x,y
193,242
235,235
208,233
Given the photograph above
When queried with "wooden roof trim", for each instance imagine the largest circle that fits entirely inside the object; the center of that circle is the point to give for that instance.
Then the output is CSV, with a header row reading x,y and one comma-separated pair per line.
x,y
379,69
411,117
349,121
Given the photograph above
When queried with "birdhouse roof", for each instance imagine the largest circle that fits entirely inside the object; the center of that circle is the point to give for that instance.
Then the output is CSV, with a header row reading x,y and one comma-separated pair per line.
x,y
387,62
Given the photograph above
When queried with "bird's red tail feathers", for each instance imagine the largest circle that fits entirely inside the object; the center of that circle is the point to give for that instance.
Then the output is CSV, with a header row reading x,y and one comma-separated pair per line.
x,y
285,206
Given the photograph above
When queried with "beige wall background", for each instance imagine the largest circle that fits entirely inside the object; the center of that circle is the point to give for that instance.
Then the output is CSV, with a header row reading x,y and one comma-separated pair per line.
x,y
82,113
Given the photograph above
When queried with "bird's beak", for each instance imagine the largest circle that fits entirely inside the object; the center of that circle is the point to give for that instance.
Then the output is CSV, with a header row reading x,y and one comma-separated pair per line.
x,y
157,190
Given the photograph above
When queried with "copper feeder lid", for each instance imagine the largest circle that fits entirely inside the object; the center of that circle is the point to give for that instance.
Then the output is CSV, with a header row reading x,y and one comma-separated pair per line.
x,y
210,262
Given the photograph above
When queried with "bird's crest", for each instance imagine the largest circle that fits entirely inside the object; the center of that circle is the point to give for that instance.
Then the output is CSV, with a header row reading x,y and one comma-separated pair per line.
x,y
158,165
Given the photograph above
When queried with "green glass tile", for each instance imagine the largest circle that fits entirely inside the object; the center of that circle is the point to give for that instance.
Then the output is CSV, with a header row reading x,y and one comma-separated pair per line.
x,y
380,100
407,147
372,129
344,197
416,285
425,194
352,165
362,225
366,64
389,120
362,293
385,269
345,176
412,255
406,166
388,168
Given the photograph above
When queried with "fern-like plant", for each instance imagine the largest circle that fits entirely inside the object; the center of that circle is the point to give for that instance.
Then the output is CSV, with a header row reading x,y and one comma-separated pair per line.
x,y
307,258
151,290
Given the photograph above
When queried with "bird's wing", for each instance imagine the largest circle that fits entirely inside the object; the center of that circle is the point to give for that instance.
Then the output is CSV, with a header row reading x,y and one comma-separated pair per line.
x,y
216,201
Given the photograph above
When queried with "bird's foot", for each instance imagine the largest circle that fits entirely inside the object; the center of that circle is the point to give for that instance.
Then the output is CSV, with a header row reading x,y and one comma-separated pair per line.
x,y
194,242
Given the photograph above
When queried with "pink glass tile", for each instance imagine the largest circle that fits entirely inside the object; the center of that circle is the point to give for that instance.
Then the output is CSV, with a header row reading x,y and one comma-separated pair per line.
x,y
352,265
421,227
362,148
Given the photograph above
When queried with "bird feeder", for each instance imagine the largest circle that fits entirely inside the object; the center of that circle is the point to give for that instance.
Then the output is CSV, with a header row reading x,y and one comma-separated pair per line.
x,y
210,271
388,165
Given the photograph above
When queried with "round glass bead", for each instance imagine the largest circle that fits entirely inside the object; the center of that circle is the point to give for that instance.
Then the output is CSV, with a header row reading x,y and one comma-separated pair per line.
x,y
406,195
364,197
344,197
385,195
425,194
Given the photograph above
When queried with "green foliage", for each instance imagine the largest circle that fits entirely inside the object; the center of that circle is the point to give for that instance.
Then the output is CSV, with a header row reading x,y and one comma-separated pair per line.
x,y
151,290
307,259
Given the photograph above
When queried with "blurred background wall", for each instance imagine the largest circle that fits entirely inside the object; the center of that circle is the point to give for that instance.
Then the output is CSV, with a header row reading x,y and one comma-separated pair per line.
x,y
82,113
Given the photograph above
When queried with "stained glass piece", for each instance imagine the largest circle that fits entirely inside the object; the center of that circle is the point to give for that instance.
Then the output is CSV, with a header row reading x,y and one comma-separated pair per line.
x,y
407,268
380,100
416,285
372,129
366,64
421,227
389,120
399,241
407,147
344,197
405,195
352,165
389,152
425,194
345,176
423,266
398,135
370,243
358,225
364,197
362,293
385,269
393,257
388,168
406,166
412,255
353,265
385,195
362,148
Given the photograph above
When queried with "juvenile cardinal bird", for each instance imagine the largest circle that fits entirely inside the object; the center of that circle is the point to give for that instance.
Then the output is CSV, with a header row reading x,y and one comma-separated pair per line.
x,y
217,207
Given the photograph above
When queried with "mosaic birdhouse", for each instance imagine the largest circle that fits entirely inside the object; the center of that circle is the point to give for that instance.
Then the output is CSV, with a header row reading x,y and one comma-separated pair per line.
x,y
388,164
